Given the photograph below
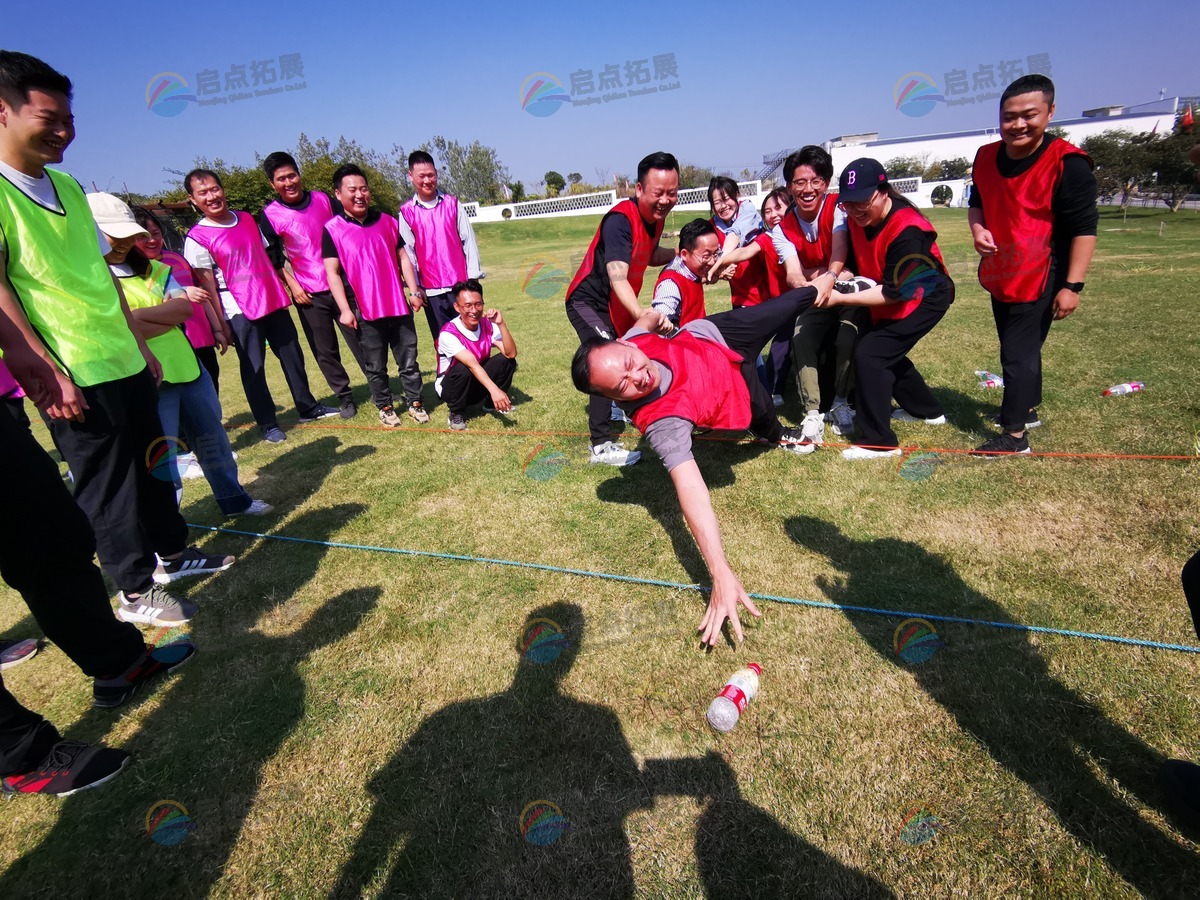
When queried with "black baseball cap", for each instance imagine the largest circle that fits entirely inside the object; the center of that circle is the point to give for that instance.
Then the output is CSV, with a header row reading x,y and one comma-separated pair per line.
x,y
860,179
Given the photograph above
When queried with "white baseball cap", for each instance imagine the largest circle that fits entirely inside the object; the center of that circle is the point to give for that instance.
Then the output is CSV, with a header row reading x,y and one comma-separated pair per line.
x,y
114,216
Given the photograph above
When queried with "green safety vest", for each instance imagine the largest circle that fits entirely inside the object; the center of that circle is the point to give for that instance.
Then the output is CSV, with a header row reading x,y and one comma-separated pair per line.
x,y
63,284
172,348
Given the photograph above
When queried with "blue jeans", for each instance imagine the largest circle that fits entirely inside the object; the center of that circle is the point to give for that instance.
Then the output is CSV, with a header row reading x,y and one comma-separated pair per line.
x,y
197,404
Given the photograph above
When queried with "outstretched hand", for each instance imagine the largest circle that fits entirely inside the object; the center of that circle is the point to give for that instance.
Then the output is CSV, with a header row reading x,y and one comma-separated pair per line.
x,y
727,593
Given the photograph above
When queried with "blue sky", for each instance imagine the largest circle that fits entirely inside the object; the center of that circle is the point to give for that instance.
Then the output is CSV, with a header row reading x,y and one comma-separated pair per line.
x,y
747,84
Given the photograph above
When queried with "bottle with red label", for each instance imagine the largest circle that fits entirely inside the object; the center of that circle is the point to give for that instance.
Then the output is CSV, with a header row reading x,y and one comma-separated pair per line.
x,y
1128,387
728,706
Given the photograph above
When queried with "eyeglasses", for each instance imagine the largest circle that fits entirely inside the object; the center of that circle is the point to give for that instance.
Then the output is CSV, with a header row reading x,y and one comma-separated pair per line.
x,y
858,205
807,182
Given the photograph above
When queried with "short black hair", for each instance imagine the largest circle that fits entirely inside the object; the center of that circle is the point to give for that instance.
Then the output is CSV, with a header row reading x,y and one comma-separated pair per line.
x,y
21,73
344,171
659,160
419,156
276,161
1028,84
471,284
196,175
693,231
581,365
815,157
724,184
779,194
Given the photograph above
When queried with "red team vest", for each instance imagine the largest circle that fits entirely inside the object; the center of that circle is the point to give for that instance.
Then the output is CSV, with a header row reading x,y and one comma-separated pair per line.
x,y
746,286
300,231
1018,214
707,388
643,249
439,249
872,258
813,254
249,275
774,274
690,292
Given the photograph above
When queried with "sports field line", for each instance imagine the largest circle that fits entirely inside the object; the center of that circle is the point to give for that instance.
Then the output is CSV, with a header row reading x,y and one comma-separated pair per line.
x,y
656,582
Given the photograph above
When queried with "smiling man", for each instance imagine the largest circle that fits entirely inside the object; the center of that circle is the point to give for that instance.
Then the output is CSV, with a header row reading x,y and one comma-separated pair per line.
x,y
467,369
602,299
704,376
679,291
1033,219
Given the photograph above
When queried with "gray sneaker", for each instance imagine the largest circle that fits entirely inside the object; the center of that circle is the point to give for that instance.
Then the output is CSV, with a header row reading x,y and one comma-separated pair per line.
x,y
457,423
841,419
155,606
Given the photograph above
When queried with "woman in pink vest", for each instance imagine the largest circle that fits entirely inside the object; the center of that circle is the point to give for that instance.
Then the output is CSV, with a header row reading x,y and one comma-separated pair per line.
x,y
907,293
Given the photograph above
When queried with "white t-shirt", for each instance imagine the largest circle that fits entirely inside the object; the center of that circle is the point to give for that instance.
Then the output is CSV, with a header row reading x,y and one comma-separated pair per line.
x,y
198,257
449,346
41,191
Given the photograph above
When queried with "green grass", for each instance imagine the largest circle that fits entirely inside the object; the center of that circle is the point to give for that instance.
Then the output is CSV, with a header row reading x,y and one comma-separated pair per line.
x,y
361,722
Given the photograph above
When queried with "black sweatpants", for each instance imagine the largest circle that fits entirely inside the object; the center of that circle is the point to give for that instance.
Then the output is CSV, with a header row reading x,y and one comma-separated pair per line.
x,y
46,549
1022,329
746,331
250,338
589,322
883,371
460,388
25,737
208,358
439,309
132,513
319,320
1191,588
399,333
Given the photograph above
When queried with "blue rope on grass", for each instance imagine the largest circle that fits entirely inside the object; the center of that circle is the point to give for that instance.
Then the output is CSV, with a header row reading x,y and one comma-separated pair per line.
x,y
656,582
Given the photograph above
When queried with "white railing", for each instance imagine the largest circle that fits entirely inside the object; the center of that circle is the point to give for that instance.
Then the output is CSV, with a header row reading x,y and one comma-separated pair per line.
x,y
471,209
567,204
589,204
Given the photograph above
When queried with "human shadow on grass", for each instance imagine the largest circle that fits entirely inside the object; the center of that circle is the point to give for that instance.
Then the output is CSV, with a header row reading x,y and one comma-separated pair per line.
x,y
1005,697
221,720
741,850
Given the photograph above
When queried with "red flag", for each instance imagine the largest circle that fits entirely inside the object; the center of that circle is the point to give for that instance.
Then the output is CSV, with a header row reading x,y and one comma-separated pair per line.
x,y
1186,121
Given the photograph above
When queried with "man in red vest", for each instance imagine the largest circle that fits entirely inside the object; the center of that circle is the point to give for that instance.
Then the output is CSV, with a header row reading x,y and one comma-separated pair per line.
x,y
704,375
1033,218
602,299
679,291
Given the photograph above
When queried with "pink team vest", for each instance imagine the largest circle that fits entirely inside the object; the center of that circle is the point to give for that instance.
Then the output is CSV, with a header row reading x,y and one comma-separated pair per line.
x,y
9,389
480,348
368,257
199,332
301,230
439,249
248,272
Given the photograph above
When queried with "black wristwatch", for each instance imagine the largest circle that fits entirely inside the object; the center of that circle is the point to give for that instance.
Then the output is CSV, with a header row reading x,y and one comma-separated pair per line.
x,y
1076,286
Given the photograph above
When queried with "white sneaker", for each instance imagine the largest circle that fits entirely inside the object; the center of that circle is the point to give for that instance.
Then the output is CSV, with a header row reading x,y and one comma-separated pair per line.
x,y
256,508
618,415
841,419
611,453
794,442
777,399
812,429
855,452
901,415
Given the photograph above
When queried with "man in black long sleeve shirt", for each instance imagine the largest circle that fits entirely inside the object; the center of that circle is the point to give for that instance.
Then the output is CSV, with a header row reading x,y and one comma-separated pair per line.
x,y
1033,219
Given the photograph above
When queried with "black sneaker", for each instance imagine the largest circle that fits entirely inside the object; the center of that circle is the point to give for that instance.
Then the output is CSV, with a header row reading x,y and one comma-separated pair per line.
x,y
274,435
1003,444
348,410
191,562
320,411
163,660
70,766
1031,420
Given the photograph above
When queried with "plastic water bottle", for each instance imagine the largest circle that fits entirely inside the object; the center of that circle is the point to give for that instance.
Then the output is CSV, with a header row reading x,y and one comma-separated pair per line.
x,y
988,379
1128,387
727,706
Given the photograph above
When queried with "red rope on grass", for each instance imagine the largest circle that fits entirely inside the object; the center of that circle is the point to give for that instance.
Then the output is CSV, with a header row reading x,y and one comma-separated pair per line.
x,y
509,432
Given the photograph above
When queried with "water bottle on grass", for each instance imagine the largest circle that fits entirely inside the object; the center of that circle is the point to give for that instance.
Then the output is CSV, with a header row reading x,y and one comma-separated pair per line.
x,y
1128,387
728,706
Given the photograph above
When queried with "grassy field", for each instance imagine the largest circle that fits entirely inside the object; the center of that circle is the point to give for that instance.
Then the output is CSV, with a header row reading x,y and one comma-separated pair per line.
x,y
363,723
